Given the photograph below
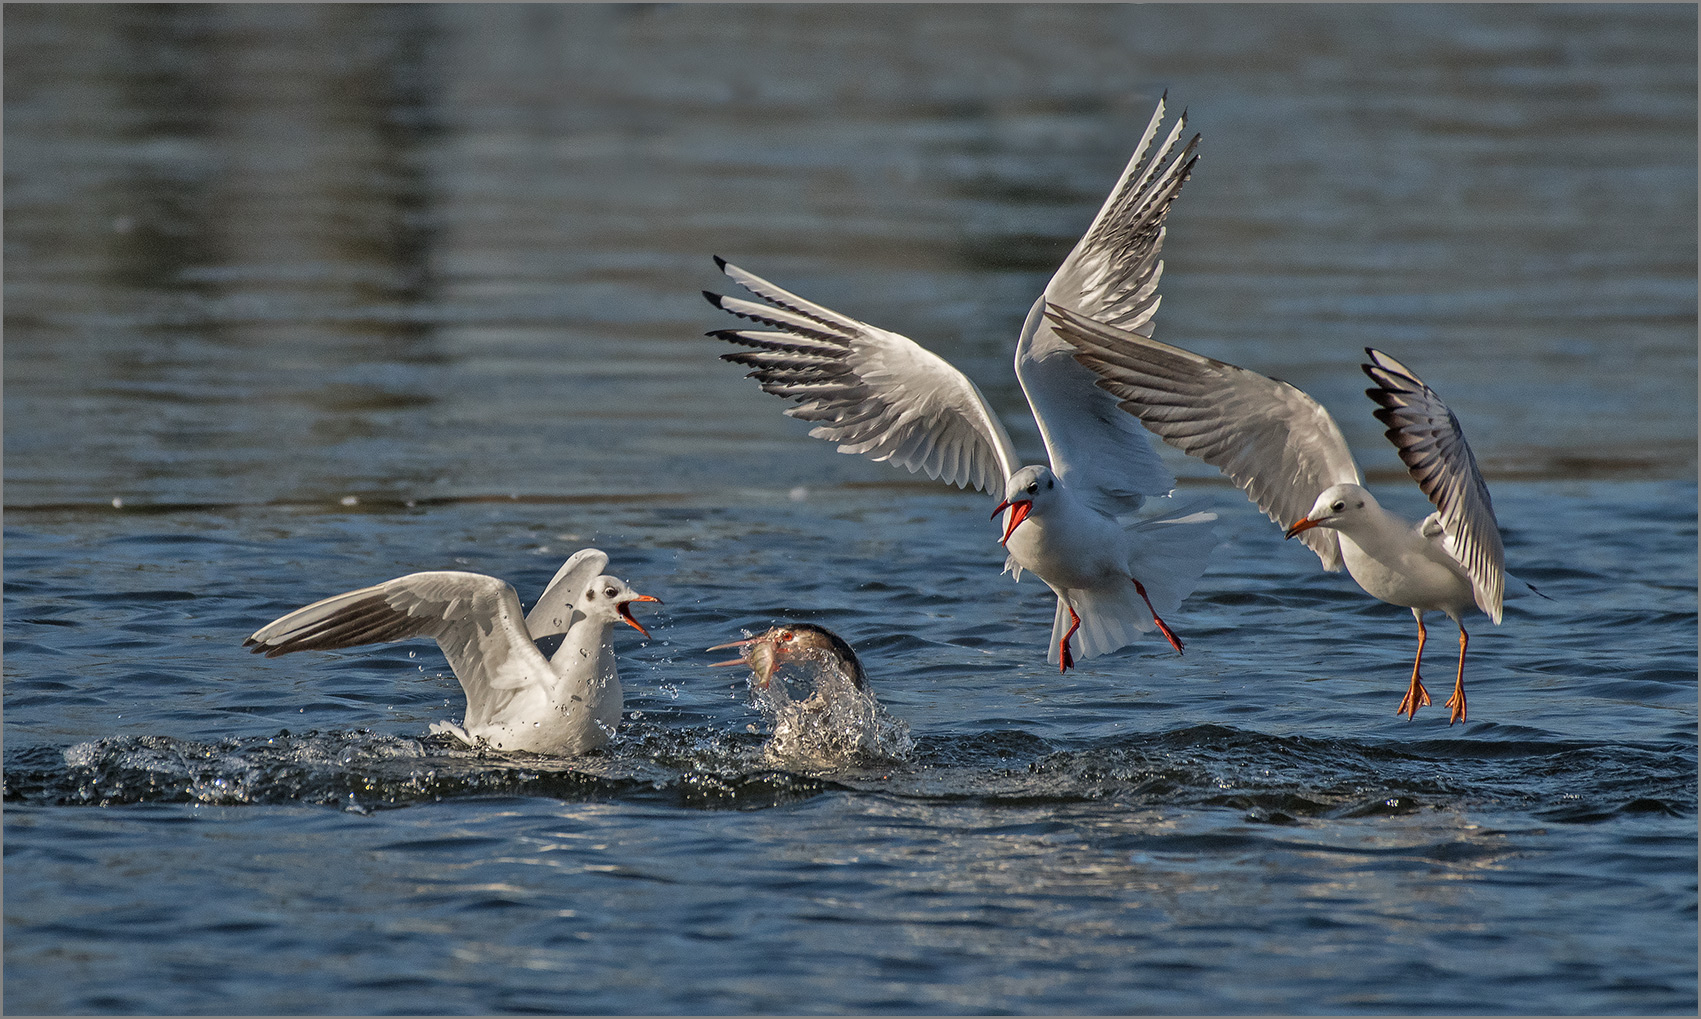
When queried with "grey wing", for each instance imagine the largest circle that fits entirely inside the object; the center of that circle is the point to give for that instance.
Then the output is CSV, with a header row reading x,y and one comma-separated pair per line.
x,y
475,619
554,611
1433,448
1112,274
876,393
1113,271
1278,444
1102,454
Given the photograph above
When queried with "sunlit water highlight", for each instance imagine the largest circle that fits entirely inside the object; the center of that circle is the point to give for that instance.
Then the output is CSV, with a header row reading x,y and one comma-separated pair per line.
x,y
302,298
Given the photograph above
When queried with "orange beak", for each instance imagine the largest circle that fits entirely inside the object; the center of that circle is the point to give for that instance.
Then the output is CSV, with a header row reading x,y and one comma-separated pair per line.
x,y
1019,510
1304,525
624,608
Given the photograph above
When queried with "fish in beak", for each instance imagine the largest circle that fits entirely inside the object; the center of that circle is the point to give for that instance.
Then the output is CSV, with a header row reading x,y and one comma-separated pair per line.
x,y
625,610
1019,510
762,654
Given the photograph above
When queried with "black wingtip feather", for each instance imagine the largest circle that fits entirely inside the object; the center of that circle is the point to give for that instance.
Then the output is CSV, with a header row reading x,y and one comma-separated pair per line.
x,y
720,263
714,299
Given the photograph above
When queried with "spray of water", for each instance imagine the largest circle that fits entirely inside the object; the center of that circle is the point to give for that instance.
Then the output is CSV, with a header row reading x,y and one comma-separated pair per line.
x,y
818,717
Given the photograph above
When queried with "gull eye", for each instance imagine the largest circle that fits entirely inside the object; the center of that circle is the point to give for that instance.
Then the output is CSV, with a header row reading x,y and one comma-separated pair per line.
x,y
611,592
1033,486
1339,507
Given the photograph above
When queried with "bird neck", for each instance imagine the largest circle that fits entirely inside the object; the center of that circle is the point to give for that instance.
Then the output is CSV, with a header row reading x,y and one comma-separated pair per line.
x,y
586,652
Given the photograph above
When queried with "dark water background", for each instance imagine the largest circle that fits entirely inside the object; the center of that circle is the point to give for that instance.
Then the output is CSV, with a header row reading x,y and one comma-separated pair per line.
x,y
302,298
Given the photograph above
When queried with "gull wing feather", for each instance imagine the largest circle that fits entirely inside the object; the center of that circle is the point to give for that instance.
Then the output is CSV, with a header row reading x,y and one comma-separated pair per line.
x,y
873,392
554,612
1102,454
1433,448
1113,271
475,619
1112,274
1278,444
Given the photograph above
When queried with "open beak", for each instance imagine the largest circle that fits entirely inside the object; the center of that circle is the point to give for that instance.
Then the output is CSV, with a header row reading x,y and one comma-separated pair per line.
x,y
625,610
1304,525
763,657
1019,510
737,643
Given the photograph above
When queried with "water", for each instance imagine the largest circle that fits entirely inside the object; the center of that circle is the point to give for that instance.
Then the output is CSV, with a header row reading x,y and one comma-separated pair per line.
x,y
302,298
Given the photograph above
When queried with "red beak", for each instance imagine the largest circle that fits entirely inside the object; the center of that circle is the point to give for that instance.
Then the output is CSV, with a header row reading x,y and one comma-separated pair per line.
x,y
1304,525
625,610
1019,510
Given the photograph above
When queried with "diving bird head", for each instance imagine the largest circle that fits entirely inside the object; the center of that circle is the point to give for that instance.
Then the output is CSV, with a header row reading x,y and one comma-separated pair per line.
x,y
1032,487
607,599
1339,507
766,652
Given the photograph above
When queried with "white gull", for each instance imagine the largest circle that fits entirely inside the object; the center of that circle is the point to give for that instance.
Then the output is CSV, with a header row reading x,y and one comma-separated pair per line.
x,y
882,395
1285,451
516,698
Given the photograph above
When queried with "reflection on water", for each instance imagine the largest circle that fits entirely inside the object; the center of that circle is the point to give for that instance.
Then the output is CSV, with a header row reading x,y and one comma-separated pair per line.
x,y
321,295
425,269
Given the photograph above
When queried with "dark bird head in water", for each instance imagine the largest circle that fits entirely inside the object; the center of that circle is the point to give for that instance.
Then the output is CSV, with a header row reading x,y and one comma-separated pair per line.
x,y
766,652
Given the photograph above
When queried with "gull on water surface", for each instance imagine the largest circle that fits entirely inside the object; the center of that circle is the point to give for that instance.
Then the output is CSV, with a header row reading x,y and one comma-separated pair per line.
x,y
886,397
1285,451
516,698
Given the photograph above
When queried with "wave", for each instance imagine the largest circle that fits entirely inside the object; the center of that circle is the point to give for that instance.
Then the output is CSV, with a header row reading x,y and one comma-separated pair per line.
x,y
1270,779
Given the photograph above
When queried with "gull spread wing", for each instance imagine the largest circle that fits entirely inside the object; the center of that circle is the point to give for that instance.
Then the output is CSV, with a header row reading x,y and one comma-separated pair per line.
x,y
873,392
1105,457
475,619
1112,274
554,612
1433,448
1102,454
1278,444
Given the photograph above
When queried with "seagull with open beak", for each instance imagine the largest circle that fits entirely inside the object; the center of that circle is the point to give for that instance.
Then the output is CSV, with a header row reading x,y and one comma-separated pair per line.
x,y
882,395
516,698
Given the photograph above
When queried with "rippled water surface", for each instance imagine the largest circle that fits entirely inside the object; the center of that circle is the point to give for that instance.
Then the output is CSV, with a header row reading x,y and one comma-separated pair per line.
x,y
302,298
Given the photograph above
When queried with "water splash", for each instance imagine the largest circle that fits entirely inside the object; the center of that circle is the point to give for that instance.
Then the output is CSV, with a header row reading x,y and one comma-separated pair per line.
x,y
819,718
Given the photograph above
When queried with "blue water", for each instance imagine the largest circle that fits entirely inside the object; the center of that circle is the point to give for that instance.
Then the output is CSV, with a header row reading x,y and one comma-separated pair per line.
x,y
300,299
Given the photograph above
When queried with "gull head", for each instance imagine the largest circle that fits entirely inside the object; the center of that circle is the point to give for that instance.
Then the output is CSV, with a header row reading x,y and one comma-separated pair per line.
x,y
608,600
1338,507
1032,487
766,652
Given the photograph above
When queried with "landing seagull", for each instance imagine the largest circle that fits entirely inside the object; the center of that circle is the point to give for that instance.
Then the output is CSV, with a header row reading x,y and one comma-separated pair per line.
x,y
516,698
1287,453
882,395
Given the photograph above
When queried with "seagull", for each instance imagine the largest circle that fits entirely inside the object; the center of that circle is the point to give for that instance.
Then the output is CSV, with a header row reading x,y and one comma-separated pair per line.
x,y
1285,451
882,395
516,698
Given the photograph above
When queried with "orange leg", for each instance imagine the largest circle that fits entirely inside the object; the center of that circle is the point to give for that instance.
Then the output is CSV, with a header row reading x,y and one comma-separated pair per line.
x,y
1065,660
1163,627
1457,701
1416,696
